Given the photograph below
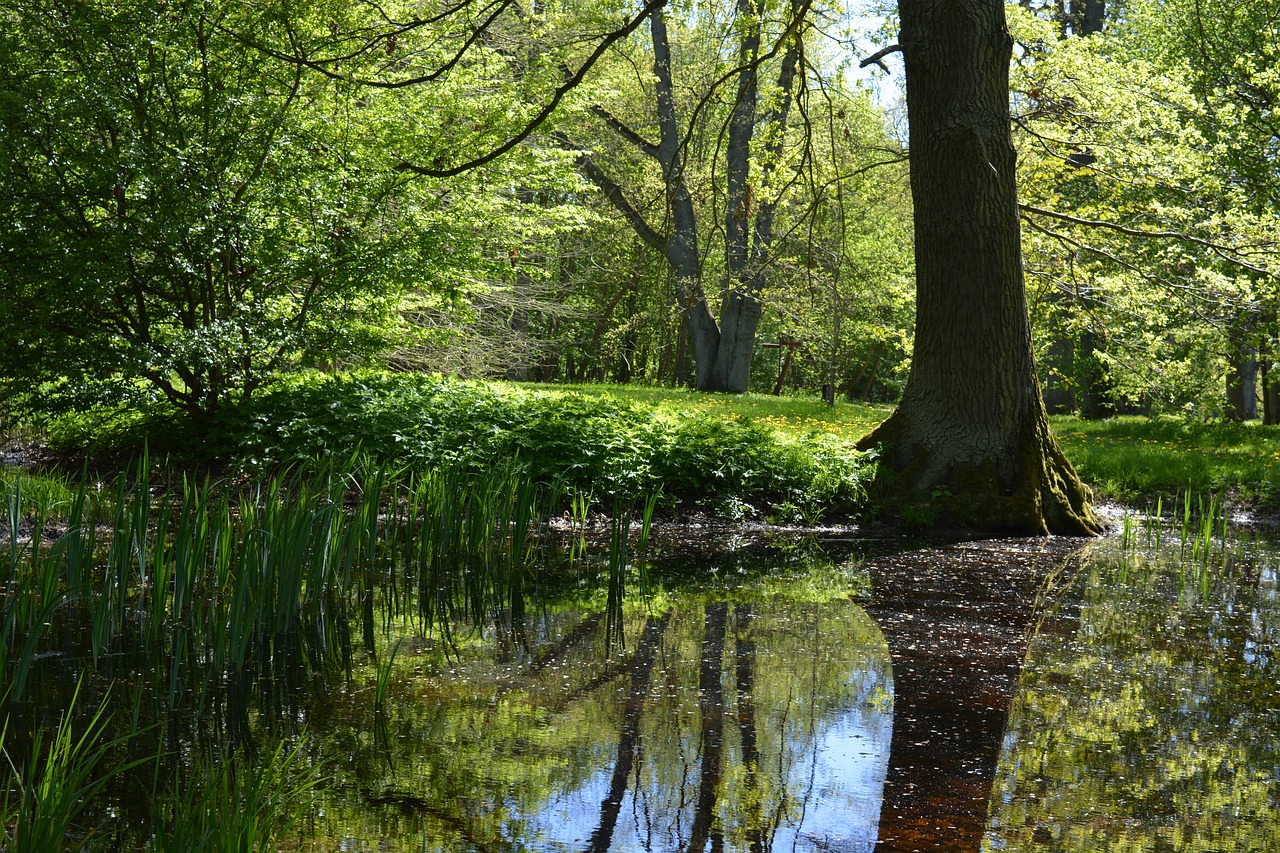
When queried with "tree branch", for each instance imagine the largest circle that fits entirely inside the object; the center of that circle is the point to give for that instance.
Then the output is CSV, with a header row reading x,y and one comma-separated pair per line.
x,y
1226,253
877,58
624,131
1194,298
614,193
548,108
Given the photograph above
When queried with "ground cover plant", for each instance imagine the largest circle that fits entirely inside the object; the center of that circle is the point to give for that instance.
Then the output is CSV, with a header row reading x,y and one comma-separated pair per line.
x,y
786,457
786,461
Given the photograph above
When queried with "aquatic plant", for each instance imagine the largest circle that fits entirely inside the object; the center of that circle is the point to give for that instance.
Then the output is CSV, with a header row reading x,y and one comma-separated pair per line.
x,y
45,799
224,805
215,605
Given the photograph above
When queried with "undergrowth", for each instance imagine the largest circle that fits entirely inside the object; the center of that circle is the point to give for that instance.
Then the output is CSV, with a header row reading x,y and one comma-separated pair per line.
x,y
696,451
737,456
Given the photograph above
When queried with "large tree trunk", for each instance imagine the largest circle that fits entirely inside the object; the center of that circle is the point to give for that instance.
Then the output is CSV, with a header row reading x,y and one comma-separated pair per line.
x,y
970,440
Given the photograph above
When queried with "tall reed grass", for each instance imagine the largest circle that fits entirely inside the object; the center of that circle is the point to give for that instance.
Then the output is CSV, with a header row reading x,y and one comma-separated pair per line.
x,y
1199,522
214,605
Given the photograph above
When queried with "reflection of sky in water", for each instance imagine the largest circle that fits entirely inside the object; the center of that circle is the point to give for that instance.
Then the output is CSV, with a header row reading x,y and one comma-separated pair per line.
x,y
848,769
834,781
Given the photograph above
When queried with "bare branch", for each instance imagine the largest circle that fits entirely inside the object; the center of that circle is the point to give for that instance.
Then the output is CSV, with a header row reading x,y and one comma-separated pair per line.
x,y
877,58
1197,300
625,132
548,108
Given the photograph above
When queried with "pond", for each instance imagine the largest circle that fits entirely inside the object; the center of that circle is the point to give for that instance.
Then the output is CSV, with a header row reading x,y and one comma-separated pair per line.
x,y
1012,695
782,693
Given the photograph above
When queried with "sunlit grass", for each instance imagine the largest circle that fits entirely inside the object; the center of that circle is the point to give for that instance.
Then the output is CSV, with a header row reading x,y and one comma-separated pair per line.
x,y
1125,459
789,417
1133,458
616,440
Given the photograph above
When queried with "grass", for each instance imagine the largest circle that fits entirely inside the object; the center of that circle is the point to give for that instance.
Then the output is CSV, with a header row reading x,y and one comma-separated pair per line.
x,y
790,417
1134,459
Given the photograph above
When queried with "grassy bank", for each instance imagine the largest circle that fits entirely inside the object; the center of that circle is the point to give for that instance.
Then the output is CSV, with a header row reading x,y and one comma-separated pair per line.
x,y
1134,459
782,458
1130,460
787,461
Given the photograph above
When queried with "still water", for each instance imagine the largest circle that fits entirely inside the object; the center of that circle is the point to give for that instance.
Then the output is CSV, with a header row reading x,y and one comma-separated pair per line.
x,y
1147,716
1018,695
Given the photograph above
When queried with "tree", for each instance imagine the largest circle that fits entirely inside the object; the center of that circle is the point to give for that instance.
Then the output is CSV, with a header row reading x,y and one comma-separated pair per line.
x,y
183,212
723,346
1148,226
970,437
203,196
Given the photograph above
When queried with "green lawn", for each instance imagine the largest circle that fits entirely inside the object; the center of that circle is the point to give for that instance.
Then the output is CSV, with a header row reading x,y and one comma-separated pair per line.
x,y
1125,459
792,417
1133,459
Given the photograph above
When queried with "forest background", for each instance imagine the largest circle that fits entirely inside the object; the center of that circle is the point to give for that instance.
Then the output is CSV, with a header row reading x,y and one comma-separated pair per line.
x,y
205,199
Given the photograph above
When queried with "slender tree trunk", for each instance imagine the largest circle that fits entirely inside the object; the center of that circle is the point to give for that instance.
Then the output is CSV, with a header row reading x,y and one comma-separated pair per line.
x,y
1241,379
722,349
1270,384
970,439
1095,386
750,212
1271,402
1087,16
518,369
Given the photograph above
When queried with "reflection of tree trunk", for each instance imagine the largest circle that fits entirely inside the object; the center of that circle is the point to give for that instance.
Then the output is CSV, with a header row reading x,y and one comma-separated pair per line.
x,y
711,701
955,673
745,671
571,640
629,737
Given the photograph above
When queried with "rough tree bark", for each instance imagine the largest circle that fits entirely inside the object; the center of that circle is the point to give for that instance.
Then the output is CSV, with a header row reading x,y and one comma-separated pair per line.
x,y
970,440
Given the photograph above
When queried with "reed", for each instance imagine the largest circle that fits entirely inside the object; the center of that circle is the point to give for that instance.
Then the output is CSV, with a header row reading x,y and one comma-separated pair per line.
x,y
204,586
220,604
229,806
58,783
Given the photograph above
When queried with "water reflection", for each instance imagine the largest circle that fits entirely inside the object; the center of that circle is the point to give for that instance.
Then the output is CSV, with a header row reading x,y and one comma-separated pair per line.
x,y
728,726
1149,719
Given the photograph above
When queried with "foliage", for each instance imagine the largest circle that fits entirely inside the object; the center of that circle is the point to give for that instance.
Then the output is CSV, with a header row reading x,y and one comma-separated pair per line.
x,y
193,213
60,780
1152,264
600,444
1146,725
790,197
222,805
